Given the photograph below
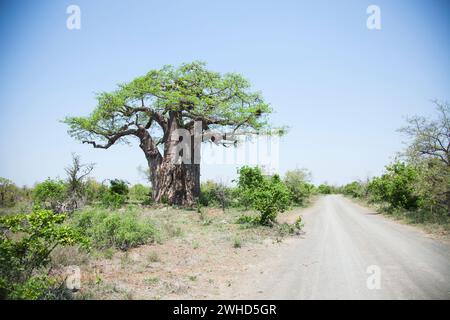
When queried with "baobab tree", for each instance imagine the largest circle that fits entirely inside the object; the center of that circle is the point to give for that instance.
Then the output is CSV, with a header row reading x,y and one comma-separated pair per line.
x,y
154,107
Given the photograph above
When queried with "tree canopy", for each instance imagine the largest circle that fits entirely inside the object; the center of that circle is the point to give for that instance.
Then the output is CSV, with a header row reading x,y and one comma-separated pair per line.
x,y
191,92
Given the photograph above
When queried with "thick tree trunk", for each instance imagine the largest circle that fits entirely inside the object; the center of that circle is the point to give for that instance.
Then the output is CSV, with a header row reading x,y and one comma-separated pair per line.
x,y
177,184
172,182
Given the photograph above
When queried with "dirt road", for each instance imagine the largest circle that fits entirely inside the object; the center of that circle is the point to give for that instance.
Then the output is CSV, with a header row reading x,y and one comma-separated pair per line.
x,y
350,252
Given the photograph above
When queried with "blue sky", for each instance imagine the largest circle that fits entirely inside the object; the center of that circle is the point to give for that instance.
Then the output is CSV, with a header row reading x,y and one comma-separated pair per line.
x,y
341,88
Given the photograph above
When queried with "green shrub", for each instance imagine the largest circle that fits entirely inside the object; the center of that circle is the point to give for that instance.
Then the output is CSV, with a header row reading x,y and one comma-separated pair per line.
x,y
94,190
354,189
119,187
9,193
396,186
215,194
248,181
324,189
116,195
268,195
26,242
271,198
113,200
237,243
140,193
297,181
121,230
246,219
50,194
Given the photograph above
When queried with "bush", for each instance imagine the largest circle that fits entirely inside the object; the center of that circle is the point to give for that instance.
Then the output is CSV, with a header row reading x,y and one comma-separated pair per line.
x,y
354,189
140,193
117,194
94,190
26,242
248,220
113,200
215,194
432,186
297,181
270,198
121,230
324,189
50,194
396,187
249,180
9,193
119,187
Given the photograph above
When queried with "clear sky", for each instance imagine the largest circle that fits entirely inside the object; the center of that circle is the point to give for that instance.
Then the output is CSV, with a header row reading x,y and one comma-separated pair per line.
x,y
341,88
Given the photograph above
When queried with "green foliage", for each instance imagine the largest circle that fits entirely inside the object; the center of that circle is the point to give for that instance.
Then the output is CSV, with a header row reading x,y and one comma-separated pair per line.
x,y
248,181
192,88
396,186
428,151
119,187
9,193
94,190
121,230
248,220
354,189
140,193
432,186
299,224
215,194
269,196
324,189
113,200
237,243
297,181
285,228
26,241
117,194
50,194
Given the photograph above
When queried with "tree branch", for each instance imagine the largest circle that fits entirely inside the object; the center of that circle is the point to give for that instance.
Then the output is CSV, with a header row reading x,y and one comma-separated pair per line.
x,y
111,140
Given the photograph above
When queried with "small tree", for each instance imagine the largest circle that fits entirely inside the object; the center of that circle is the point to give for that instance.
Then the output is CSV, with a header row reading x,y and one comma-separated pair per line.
x,y
249,180
396,186
215,193
355,189
94,190
268,195
76,176
271,198
116,195
50,194
430,142
324,189
139,192
297,181
26,242
8,192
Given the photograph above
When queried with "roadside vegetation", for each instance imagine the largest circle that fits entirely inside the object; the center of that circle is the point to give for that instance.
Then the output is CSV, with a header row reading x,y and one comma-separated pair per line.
x,y
79,221
415,187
